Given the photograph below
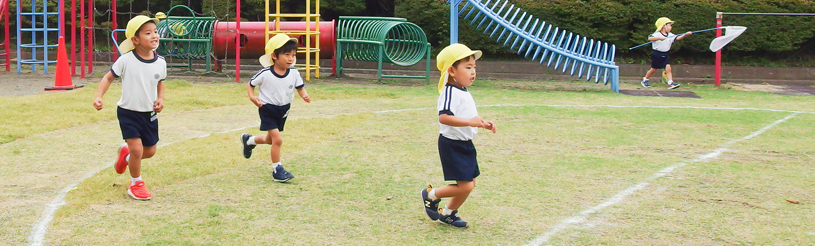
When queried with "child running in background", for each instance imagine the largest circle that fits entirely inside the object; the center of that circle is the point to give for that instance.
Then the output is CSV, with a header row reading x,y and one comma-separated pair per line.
x,y
276,83
662,40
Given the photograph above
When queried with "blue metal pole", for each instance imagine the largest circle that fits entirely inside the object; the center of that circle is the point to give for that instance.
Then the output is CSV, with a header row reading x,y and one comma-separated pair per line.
x,y
454,20
19,35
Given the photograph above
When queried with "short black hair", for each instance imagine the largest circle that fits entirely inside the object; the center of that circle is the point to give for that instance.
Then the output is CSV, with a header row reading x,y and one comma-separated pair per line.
x,y
142,25
455,64
288,47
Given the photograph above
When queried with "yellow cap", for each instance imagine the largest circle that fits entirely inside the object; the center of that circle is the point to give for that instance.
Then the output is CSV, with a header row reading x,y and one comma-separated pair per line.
x,y
161,15
132,26
448,56
661,22
274,43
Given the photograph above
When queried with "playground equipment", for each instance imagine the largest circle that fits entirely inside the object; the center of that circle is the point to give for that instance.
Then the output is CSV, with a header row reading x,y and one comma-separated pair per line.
x,y
584,56
37,27
252,36
380,39
186,37
4,12
309,48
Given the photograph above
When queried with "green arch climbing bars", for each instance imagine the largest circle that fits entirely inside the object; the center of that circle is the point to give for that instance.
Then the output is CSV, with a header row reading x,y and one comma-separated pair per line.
x,y
186,37
382,39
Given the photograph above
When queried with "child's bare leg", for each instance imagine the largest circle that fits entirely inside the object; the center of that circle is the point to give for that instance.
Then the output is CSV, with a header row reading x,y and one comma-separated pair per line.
x,y
136,154
274,138
669,73
149,152
458,193
650,72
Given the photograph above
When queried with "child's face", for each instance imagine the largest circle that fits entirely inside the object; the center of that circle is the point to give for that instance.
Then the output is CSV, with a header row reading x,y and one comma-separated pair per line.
x,y
147,37
284,60
464,73
668,27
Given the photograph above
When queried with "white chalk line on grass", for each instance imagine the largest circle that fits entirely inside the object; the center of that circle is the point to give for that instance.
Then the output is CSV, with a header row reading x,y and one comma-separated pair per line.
x,y
40,228
619,197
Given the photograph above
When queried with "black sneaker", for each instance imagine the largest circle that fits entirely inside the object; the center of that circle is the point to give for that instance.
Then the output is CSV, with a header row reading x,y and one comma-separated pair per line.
x,y
452,219
280,175
247,149
430,207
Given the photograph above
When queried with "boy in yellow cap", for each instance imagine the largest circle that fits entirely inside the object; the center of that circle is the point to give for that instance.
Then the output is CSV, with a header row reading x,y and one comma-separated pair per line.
x,y
458,122
276,83
662,40
143,73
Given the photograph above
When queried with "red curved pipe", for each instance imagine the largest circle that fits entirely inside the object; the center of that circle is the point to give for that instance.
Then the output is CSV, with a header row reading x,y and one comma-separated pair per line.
x,y
253,38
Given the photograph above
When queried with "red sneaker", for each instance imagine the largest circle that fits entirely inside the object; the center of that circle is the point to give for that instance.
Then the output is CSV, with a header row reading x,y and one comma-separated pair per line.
x,y
121,164
138,192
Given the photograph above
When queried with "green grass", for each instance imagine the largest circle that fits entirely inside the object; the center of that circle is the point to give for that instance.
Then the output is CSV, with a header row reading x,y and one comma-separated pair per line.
x,y
544,165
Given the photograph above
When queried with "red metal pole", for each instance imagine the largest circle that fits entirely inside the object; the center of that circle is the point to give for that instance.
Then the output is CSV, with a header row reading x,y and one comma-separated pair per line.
x,y
82,38
61,19
73,37
238,41
90,35
718,73
112,28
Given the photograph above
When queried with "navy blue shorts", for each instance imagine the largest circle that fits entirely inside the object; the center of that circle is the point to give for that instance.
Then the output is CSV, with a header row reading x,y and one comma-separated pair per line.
x,y
142,125
273,116
659,59
458,159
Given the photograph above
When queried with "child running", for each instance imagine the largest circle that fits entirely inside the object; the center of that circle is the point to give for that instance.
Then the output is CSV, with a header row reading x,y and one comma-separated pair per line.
x,y
276,83
143,73
662,40
459,122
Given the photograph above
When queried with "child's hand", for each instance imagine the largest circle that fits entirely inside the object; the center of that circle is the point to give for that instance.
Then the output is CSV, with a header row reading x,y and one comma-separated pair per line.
x,y
688,33
489,125
256,101
307,98
158,105
97,103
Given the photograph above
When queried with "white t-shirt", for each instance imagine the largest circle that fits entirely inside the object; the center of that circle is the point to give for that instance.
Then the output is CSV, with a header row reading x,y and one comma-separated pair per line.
x,y
274,88
457,102
663,45
140,80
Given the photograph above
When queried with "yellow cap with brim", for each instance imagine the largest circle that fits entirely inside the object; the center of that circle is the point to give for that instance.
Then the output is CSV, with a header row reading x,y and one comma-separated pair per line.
x,y
661,22
274,43
161,15
450,55
132,26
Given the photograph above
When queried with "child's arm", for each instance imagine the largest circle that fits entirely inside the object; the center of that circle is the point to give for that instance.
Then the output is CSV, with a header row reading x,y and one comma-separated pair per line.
x,y
304,94
683,36
103,87
474,122
251,90
159,104
655,38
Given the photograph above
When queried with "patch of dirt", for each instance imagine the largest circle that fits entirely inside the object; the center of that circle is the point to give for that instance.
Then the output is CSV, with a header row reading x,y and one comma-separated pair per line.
x,y
13,84
797,90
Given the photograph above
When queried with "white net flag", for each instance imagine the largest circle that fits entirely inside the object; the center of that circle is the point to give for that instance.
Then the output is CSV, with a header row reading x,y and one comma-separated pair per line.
x,y
730,33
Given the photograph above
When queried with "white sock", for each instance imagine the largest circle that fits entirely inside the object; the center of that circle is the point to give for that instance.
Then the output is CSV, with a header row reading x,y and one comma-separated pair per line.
x,y
127,158
134,180
446,211
274,165
670,82
644,78
251,141
432,195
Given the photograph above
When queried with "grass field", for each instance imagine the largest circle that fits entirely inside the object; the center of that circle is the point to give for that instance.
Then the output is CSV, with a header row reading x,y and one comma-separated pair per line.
x,y
572,164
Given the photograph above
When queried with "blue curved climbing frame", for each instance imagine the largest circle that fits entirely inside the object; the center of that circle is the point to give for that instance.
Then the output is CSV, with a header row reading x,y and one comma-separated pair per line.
x,y
533,37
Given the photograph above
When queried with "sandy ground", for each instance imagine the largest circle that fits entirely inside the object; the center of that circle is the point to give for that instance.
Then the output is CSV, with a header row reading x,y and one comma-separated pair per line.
x,y
13,84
